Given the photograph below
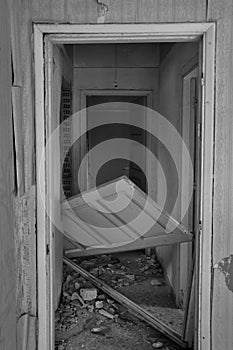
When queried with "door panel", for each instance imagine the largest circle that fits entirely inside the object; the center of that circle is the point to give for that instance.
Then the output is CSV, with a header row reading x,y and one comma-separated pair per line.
x,y
132,221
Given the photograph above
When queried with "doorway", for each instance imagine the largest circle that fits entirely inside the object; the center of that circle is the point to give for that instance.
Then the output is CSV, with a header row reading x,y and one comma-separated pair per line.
x,y
46,293
117,167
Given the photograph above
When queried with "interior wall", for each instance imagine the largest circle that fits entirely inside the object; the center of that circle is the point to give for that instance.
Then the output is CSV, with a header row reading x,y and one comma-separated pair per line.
x,y
170,106
112,67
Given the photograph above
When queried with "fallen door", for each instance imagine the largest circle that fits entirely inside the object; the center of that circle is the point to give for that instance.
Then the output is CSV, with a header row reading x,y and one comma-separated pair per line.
x,y
118,216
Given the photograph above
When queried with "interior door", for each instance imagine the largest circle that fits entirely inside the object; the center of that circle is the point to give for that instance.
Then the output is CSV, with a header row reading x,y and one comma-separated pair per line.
x,y
125,164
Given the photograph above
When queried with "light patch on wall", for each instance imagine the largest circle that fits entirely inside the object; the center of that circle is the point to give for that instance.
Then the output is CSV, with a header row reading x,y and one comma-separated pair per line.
x,y
26,332
102,10
225,265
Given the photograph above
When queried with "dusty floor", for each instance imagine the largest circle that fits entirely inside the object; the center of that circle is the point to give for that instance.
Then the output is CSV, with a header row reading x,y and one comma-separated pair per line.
x,y
103,324
151,290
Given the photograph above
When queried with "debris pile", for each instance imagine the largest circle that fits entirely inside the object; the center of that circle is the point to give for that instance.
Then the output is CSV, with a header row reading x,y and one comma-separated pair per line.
x,y
116,274
79,300
85,308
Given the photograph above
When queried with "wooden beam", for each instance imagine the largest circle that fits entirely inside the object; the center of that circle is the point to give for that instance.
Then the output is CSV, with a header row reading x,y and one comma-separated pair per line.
x,y
176,30
147,242
189,321
130,305
44,337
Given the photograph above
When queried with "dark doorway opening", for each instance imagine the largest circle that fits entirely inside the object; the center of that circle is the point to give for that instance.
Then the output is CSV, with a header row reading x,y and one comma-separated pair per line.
x,y
117,167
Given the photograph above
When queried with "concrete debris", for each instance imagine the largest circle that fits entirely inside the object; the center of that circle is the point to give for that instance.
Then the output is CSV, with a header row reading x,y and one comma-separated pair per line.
x,y
106,314
77,285
100,330
157,345
88,294
99,304
74,296
69,278
102,297
90,308
156,282
85,308
112,310
61,347
130,277
66,295
80,300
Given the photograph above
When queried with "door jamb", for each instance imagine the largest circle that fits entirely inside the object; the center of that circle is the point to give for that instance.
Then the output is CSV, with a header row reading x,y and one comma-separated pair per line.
x,y
66,33
109,92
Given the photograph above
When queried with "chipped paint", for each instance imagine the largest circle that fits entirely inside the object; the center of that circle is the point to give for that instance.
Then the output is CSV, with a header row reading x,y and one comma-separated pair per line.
x,y
225,265
102,12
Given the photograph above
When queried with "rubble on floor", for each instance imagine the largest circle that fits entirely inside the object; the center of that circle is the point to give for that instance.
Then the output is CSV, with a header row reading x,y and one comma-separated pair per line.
x,y
88,319
111,270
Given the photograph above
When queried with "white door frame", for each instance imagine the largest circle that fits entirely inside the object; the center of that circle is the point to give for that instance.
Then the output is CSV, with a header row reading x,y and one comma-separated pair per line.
x,y
185,250
117,92
103,33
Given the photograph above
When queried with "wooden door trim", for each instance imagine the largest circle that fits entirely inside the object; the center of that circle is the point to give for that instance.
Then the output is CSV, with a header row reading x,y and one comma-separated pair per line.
x,y
97,33
103,33
118,92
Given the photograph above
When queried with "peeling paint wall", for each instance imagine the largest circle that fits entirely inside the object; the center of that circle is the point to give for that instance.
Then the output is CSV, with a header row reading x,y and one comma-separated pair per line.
x,y
225,265
25,253
7,252
102,10
221,11
151,11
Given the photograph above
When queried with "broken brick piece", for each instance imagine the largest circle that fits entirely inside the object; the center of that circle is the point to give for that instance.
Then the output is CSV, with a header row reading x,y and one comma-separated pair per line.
x,y
157,345
156,282
100,330
88,294
106,314
99,304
